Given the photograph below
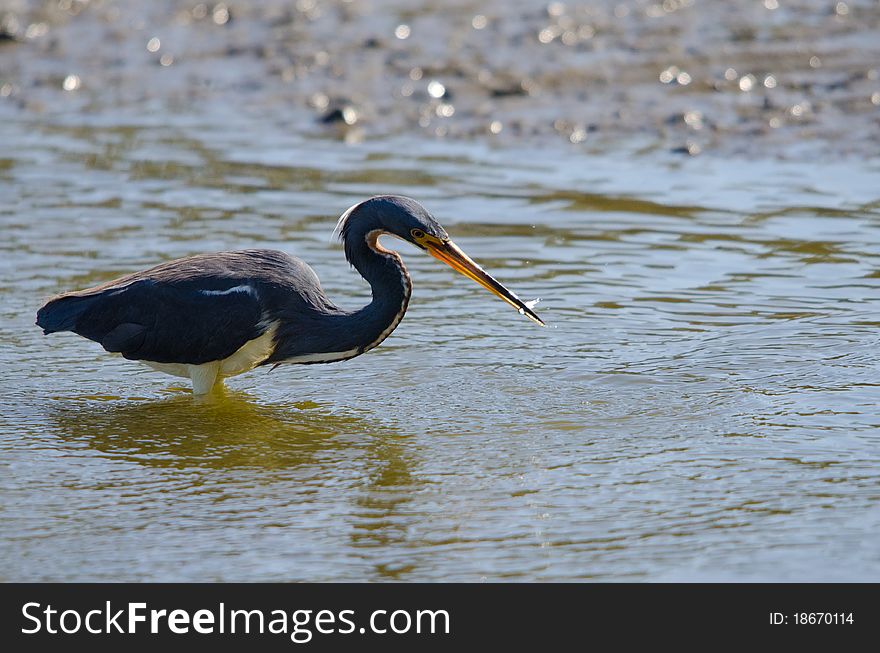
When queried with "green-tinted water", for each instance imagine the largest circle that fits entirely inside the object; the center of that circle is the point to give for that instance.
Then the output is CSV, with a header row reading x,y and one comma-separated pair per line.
x,y
704,404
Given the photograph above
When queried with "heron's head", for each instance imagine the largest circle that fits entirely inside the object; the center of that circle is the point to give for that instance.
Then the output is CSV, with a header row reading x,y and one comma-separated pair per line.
x,y
408,220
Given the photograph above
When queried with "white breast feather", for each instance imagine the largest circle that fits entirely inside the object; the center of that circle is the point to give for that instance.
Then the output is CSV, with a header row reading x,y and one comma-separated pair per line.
x,y
246,358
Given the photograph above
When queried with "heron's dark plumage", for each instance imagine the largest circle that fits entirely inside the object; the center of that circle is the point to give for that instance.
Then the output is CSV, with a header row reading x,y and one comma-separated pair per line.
x,y
187,311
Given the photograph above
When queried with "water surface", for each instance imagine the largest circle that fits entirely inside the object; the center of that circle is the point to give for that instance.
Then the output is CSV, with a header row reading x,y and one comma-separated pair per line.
x,y
703,406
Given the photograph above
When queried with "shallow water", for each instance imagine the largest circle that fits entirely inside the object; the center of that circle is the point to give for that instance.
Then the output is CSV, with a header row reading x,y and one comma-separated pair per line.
x,y
703,406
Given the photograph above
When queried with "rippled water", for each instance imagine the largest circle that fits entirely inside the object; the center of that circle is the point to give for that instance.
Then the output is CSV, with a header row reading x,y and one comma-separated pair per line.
x,y
704,405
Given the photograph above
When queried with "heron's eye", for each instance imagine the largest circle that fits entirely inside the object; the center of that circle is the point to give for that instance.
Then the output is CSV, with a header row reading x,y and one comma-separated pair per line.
x,y
418,234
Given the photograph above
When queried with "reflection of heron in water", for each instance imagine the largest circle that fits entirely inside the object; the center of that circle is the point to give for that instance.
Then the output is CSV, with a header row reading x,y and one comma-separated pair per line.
x,y
229,430
217,315
312,456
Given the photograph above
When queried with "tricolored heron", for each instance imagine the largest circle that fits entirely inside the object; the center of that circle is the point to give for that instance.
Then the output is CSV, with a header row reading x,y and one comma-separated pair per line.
x,y
211,316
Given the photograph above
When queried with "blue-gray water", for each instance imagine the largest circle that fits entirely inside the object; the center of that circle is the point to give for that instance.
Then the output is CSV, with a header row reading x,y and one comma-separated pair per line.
x,y
704,405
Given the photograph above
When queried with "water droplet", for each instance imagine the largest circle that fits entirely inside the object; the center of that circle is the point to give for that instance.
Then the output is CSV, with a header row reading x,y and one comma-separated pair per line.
x,y
546,35
436,89
36,30
555,9
694,119
349,115
71,83
220,15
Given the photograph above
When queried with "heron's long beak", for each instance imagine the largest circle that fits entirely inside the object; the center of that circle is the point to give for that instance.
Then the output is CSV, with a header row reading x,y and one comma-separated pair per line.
x,y
451,254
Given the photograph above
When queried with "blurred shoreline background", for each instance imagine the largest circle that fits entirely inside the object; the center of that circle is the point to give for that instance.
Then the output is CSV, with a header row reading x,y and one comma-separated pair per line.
x,y
750,78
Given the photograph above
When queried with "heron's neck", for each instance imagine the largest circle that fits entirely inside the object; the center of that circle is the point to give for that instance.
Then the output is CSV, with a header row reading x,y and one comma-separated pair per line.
x,y
390,284
333,334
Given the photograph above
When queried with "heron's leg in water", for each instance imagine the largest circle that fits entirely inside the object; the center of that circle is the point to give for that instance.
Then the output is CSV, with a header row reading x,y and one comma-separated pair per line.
x,y
205,378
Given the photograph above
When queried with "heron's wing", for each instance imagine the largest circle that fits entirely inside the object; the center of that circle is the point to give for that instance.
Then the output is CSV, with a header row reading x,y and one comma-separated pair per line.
x,y
183,322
